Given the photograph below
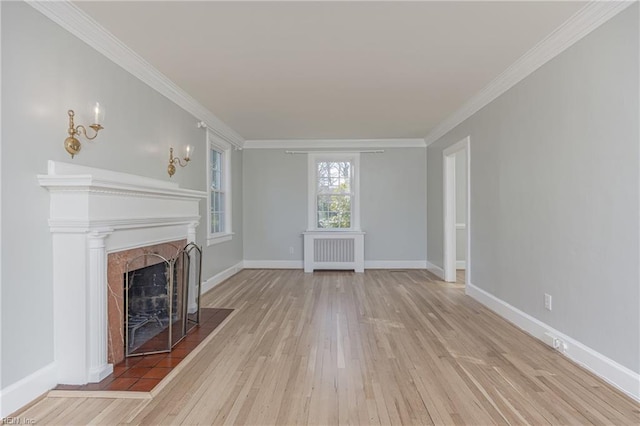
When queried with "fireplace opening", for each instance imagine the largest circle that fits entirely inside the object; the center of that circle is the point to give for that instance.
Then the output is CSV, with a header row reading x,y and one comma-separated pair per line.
x,y
150,309
161,297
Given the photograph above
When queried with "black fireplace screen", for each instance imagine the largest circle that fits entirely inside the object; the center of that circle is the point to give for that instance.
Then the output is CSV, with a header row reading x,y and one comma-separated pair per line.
x,y
162,300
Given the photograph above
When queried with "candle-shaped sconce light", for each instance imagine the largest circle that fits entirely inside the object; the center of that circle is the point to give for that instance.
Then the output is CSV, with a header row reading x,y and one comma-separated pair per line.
x,y
188,152
72,144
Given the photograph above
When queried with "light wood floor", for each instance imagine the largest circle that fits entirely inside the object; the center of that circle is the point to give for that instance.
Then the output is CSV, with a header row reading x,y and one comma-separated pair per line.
x,y
382,347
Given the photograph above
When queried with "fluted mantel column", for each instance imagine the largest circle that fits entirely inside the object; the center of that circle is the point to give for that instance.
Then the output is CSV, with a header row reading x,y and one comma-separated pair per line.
x,y
97,313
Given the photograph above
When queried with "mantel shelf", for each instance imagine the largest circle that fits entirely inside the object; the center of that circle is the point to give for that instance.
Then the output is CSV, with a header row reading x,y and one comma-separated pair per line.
x,y
71,177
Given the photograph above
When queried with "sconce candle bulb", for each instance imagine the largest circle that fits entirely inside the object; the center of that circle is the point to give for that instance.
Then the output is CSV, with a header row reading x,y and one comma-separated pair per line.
x,y
98,113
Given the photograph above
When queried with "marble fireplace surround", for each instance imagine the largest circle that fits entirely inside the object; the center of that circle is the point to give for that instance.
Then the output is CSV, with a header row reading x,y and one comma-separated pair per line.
x,y
93,213
116,269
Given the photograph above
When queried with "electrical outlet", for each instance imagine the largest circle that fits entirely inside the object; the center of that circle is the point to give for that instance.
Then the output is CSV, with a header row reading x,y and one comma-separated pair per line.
x,y
291,250
547,301
555,342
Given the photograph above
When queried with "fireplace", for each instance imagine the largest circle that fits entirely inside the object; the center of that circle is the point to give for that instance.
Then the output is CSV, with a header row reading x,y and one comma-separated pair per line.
x,y
98,219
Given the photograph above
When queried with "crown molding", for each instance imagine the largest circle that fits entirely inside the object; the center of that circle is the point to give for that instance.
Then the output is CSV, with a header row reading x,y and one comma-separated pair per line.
x,y
81,25
333,143
587,19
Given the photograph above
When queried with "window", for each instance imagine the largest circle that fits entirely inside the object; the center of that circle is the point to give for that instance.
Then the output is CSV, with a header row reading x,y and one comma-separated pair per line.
x,y
333,192
219,190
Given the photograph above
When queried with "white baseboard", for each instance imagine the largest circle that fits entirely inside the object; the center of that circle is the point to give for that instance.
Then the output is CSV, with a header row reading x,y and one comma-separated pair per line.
x,y
618,375
436,270
395,264
461,264
220,277
273,264
19,394
368,264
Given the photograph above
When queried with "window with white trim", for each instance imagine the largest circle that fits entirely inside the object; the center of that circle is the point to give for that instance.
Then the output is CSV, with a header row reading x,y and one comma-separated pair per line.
x,y
333,192
219,190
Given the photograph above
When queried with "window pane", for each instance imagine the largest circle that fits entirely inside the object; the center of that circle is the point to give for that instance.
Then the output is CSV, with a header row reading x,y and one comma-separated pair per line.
x,y
215,223
221,221
334,211
216,165
215,159
217,212
216,180
334,177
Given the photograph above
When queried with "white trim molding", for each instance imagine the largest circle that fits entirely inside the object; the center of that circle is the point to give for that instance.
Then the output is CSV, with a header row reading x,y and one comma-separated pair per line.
x,y
461,264
273,264
436,270
449,206
609,370
22,392
81,25
395,264
221,277
67,177
587,19
368,264
333,143
220,239
2,413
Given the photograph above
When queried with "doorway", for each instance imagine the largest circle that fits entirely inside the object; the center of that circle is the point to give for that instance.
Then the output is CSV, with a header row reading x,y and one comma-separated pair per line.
x,y
456,163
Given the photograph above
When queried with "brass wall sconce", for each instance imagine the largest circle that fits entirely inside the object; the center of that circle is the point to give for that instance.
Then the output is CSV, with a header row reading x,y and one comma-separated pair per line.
x,y
171,168
72,144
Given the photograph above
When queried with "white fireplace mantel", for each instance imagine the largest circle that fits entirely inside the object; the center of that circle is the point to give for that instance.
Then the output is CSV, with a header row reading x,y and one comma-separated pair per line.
x,y
94,212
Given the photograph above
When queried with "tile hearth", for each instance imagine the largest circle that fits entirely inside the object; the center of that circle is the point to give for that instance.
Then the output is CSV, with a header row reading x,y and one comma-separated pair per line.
x,y
143,373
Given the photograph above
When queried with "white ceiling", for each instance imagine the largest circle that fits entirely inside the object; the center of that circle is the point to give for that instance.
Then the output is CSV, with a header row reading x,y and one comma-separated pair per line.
x,y
331,70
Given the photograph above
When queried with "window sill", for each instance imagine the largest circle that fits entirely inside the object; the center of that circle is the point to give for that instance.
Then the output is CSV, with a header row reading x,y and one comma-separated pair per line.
x,y
220,238
334,231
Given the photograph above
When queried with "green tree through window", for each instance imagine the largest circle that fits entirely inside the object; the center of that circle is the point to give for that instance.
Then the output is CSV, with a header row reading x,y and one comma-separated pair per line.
x,y
334,194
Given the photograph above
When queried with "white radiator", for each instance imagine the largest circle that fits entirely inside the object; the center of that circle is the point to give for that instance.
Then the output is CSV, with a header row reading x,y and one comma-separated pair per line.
x,y
334,250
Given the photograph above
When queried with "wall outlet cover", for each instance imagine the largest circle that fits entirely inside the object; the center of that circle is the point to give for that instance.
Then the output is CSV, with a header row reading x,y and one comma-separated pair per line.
x,y
547,301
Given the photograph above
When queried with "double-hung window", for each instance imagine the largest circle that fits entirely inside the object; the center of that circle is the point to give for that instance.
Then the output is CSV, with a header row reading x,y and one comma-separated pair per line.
x,y
333,192
219,190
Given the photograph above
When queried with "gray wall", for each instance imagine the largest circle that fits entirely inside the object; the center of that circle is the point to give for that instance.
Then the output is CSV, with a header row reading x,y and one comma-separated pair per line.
x,y
393,204
45,72
275,196
554,192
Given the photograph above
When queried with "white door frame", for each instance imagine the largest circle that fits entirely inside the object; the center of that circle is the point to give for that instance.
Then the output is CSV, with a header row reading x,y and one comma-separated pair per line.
x,y
449,203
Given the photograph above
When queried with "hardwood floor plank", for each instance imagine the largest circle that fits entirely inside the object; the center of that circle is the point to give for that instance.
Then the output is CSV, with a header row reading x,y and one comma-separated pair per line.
x,y
382,347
